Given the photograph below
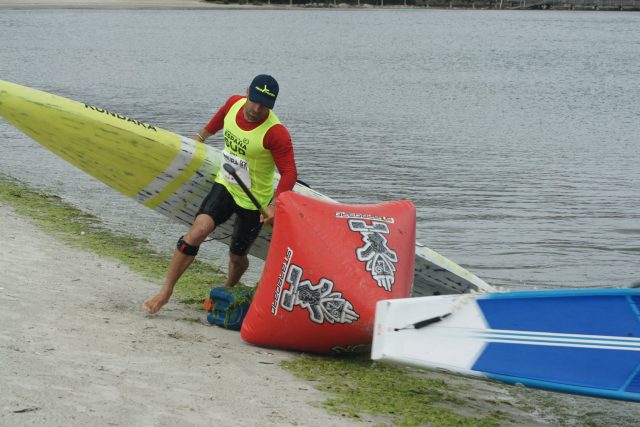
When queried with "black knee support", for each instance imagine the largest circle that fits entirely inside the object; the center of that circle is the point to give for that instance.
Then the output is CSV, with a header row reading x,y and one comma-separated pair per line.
x,y
186,248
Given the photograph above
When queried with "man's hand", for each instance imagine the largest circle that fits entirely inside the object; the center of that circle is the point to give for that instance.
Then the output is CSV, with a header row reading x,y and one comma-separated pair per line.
x,y
201,136
271,213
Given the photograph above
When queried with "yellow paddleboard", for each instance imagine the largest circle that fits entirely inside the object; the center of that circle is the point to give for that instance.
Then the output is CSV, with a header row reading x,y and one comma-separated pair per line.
x,y
165,171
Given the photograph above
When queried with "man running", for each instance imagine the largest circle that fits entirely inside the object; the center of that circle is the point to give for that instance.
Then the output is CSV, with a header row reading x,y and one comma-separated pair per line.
x,y
256,143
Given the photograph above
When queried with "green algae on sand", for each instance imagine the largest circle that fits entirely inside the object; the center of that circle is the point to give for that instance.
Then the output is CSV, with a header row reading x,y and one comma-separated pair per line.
x,y
59,218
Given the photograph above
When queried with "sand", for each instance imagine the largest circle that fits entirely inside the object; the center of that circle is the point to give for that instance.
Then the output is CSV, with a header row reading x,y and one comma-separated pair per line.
x,y
76,349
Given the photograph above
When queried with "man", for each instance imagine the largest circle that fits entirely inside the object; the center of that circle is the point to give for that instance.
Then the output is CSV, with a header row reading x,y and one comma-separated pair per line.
x,y
255,144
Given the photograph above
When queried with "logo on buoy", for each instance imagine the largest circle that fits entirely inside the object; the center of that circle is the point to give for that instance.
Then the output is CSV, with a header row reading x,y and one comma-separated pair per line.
x,y
323,303
379,259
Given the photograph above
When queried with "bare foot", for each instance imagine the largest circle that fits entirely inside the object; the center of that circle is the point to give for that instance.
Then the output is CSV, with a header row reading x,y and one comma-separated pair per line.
x,y
153,305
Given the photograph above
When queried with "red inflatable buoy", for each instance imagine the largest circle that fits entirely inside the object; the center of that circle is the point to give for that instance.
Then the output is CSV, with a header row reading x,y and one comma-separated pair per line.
x,y
328,265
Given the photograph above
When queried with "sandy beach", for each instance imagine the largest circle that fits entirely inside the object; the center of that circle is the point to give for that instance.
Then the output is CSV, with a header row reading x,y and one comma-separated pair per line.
x,y
76,349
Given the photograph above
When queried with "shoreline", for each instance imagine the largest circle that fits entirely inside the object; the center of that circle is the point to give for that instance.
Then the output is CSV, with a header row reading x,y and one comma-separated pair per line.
x,y
109,4
93,281
78,349
211,5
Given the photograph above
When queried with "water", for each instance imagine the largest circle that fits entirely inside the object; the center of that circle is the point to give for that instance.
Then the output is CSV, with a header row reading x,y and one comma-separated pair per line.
x,y
514,133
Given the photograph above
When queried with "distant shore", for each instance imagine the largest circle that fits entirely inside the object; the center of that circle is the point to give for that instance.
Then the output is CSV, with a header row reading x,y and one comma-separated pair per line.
x,y
113,4
626,5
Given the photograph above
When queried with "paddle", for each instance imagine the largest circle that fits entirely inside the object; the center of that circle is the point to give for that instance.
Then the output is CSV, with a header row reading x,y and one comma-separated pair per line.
x,y
232,171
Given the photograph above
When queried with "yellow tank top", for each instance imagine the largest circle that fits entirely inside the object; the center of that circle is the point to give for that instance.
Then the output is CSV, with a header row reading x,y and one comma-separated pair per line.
x,y
245,151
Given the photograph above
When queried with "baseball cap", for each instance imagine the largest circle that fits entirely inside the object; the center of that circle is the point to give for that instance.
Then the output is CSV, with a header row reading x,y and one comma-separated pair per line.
x,y
264,90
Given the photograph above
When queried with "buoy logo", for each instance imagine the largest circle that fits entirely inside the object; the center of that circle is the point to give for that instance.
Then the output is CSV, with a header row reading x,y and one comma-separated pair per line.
x,y
379,259
323,303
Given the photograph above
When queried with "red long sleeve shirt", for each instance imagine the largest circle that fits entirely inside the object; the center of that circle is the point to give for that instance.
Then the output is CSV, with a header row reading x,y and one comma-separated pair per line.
x,y
277,140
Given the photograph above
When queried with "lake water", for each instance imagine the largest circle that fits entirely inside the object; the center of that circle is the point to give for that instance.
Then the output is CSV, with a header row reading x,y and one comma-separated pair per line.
x,y
515,133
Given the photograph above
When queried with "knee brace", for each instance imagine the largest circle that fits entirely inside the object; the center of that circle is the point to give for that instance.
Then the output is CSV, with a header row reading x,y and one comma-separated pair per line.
x,y
186,248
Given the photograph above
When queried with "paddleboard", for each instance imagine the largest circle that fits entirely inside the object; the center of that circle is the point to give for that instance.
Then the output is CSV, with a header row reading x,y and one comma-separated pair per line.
x,y
166,172
574,341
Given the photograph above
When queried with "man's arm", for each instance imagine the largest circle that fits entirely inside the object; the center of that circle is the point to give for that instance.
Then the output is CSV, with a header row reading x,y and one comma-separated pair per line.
x,y
217,121
278,140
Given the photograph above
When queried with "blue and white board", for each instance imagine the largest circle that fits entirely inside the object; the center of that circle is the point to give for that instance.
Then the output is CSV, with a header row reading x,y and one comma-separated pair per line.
x,y
575,341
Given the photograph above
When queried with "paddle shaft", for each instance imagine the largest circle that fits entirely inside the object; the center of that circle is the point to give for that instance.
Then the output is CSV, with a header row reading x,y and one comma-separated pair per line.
x,y
232,171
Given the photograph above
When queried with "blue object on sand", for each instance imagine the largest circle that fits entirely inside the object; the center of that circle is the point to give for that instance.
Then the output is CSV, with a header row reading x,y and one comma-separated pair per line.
x,y
225,310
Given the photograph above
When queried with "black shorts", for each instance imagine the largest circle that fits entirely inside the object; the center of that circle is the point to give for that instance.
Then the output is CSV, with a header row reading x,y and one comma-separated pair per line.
x,y
219,205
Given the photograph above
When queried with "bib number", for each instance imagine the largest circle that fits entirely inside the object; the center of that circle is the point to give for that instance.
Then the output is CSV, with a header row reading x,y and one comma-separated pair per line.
x,y
241,166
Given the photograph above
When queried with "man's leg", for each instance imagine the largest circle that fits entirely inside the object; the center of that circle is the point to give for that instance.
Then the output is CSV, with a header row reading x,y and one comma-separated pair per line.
x,y
238,264
201,228
245,231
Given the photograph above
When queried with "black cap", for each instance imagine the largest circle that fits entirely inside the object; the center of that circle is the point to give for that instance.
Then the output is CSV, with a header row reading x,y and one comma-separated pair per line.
x,y
264,90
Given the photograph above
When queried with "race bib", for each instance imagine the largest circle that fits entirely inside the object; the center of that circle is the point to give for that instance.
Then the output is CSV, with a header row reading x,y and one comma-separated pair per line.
x,y
241,167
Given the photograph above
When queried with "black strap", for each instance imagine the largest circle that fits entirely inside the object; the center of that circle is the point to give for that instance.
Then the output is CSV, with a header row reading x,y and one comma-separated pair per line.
x,y
186,248
423,323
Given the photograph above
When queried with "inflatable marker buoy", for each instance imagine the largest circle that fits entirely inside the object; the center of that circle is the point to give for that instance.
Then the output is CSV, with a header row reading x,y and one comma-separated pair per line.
x,y
328,265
